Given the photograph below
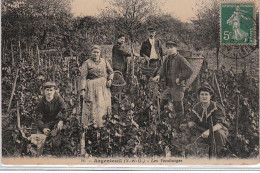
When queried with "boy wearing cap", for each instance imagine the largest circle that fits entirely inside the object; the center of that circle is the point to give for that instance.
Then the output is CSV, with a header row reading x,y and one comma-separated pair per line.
x,y
51,109
176,69
120,55
151,50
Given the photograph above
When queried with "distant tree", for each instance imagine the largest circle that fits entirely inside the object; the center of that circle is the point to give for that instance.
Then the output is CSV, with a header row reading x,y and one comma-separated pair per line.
x,y
46,23
130,15
206,27
169,28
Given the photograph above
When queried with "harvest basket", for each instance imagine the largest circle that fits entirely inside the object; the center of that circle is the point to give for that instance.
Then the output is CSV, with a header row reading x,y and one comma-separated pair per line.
x,y
148,71
195,62
118,82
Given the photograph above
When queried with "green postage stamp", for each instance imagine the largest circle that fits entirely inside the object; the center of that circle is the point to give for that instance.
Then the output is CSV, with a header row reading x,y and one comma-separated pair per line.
x,y
237,22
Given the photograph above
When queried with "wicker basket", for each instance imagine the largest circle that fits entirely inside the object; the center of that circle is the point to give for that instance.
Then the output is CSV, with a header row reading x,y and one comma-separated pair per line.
x,y
118,87
148,71
195,62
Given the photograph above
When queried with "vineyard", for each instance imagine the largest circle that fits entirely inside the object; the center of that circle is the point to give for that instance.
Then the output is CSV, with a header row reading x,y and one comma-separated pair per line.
x,y
42,41
135,128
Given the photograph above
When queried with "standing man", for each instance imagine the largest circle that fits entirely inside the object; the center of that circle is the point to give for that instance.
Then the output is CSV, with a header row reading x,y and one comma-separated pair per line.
x,y
151,50
176,69
120,55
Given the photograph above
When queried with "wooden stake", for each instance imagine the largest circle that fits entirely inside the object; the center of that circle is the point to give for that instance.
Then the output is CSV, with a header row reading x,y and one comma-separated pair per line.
x,y
220,95
213,81
83,137
13,90
158,105
53,72
82,144
18,115
12,54
237,116
38,59
132,57
75,86
68,68
20,53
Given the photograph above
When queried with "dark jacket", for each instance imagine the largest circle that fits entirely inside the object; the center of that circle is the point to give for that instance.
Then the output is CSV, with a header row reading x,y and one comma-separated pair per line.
x,y
215,110
173,67
204,120
49,113
119,55
146,48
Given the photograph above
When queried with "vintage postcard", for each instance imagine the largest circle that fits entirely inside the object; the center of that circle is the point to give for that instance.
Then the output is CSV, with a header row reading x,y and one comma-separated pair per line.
x,y
130,84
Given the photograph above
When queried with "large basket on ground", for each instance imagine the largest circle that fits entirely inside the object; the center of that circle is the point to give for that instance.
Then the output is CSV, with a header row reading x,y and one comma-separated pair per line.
x,y
148,70
118,82
195,62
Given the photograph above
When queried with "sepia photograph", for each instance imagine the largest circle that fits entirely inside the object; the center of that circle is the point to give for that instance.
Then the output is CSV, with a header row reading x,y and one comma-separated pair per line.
x,y
129,83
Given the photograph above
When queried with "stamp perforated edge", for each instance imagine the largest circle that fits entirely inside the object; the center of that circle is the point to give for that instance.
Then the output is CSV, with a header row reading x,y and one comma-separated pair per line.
x,y
220,2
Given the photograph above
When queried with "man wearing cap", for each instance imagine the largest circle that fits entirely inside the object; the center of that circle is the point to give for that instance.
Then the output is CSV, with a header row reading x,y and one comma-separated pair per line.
x,y
176,69
51,109
151,50
120,55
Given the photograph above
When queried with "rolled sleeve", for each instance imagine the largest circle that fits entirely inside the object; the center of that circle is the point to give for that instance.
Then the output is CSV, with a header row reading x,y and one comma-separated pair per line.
x,y
110,71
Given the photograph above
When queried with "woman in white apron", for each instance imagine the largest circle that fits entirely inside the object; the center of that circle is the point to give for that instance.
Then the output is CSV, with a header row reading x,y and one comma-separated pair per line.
x,y
96,79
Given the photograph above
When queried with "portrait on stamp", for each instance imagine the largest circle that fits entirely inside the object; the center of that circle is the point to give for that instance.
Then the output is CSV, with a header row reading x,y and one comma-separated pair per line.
x,y
238,23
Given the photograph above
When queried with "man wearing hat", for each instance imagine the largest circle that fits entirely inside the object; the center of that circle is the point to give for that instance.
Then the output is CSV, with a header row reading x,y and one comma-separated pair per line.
x,y
176,69
151,50
51,109
120,55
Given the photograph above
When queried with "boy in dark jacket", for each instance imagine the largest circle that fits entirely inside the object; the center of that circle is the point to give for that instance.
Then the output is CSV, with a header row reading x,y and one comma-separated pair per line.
x,y
176,69
51,109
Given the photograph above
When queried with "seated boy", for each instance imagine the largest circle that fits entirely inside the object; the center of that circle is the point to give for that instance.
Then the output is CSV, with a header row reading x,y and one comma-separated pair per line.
x,y
51,110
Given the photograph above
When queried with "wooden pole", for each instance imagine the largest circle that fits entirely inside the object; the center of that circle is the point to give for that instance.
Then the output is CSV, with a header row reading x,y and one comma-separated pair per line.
x,y
38,59
13,90
3,50
236,65
213,81
158,106
83,137
12,54
217,58
18,115
237,116
132,57
218,89
53,72
75,86
68,69
82,144
20,53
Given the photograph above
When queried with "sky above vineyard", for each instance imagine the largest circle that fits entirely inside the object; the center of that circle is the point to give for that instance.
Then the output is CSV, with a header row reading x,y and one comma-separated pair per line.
x,y
181,9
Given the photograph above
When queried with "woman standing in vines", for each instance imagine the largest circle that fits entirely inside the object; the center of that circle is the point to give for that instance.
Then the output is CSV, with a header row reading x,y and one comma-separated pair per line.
x,y
96,79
